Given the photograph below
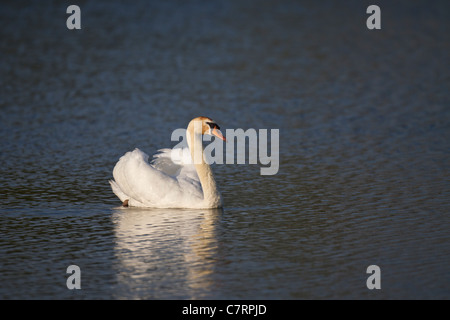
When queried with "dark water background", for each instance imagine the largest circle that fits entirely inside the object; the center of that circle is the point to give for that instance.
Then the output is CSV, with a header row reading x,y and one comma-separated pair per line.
x,y
364,120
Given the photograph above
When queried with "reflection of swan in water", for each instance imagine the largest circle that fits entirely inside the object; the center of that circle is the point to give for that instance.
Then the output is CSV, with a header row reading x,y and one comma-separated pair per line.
x,y
165,254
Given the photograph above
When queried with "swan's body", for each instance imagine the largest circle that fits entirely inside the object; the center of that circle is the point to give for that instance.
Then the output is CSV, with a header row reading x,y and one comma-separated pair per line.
x,y
189,183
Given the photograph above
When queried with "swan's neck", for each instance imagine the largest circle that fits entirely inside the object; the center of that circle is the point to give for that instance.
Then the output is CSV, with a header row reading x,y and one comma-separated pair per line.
x,y
211,196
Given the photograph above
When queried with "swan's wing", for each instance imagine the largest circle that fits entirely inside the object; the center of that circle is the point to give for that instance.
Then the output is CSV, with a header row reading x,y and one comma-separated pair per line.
x,y
141,183
176,163
163,161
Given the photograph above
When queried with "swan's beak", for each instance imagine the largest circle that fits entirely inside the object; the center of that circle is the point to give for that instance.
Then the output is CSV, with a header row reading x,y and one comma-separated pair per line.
x,y
218,134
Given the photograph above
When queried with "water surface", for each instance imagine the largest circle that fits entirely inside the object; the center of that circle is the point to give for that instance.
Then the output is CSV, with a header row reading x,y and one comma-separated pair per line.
x,y
364,124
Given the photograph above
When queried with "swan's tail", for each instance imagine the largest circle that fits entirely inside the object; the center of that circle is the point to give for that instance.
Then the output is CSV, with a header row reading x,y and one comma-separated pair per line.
x,y
117,191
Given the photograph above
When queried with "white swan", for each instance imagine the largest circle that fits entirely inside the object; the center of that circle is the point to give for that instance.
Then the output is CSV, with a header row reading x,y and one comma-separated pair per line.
x,y
166,184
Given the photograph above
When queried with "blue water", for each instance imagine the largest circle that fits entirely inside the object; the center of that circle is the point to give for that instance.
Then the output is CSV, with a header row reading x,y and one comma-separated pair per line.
x,y
364,124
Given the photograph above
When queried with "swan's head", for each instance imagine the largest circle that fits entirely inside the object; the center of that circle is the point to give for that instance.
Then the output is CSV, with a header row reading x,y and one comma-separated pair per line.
x,y
205,125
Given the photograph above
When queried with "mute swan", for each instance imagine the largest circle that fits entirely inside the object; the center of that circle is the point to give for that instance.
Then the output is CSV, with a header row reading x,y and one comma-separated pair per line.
x,y
165,184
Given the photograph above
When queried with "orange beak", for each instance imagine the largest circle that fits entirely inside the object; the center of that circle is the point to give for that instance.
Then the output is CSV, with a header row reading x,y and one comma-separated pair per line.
x,y
218,134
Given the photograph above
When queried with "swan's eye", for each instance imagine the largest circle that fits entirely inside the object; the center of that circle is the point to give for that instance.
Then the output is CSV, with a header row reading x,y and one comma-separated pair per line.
x,y
213,125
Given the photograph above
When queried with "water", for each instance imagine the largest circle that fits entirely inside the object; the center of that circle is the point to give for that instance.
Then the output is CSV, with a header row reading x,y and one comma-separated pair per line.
x,y
364,125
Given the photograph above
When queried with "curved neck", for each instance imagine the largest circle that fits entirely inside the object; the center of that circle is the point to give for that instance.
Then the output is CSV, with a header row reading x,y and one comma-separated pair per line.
x,y
211,196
